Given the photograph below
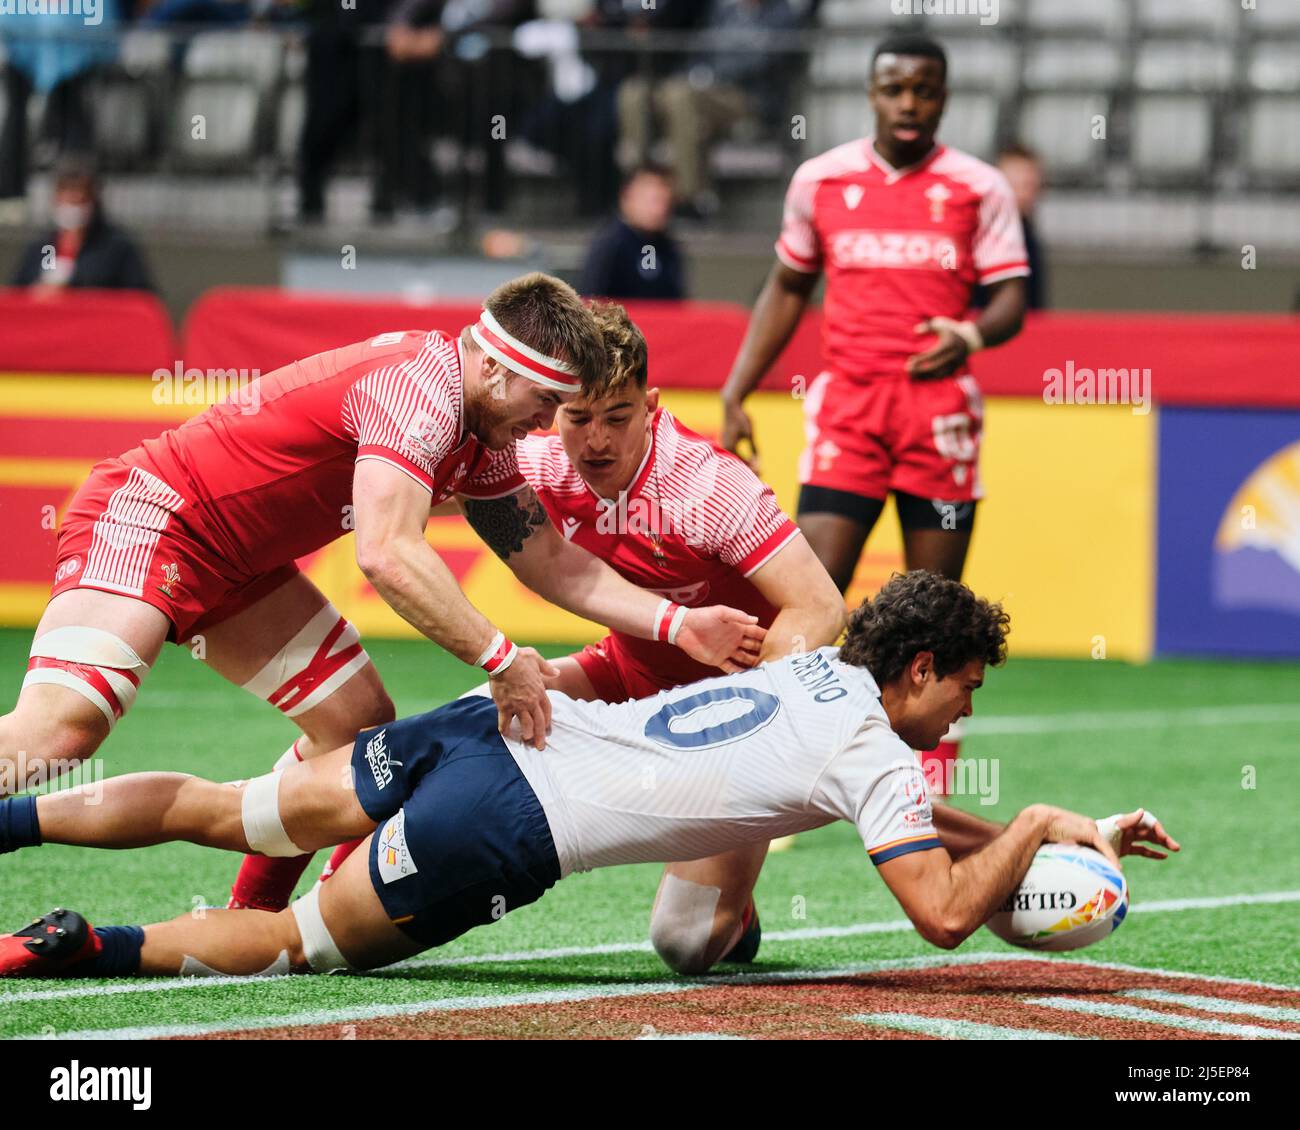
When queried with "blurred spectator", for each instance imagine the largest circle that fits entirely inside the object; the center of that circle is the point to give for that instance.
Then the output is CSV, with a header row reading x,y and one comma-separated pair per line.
x,y
488,95
414,41
83,249
634,256
54,54
1022,167
738,81
343,84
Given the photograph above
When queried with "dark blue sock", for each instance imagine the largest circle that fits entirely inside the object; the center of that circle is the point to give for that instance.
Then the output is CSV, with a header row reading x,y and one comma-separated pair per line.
x,y
120,956
19,827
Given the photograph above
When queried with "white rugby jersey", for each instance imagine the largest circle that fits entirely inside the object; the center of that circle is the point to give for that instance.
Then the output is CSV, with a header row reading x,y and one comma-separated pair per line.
x,y
700,769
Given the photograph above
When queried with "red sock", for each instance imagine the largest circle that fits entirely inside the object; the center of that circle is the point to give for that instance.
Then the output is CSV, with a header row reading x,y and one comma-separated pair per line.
x,y
266,882
934,765
337,857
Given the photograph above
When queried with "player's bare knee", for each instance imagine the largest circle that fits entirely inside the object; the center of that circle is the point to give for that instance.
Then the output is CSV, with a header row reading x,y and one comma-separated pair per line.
x,y
37,746
682,927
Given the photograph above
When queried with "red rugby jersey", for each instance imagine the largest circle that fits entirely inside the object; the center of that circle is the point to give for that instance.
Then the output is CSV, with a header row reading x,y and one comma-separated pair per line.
x,y
898,246
266,477
694,524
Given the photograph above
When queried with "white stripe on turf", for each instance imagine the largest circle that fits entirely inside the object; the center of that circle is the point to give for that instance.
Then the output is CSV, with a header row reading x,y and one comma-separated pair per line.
x,y
1215,1004
953,1029
1163,1019
810,933
1239,714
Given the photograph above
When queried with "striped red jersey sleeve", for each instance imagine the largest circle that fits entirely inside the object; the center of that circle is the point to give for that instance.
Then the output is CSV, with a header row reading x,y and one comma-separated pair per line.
x,y
408,412
752,528
998,250
798,246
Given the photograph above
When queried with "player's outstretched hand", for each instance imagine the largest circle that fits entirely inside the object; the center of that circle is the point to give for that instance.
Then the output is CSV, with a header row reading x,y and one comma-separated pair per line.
x,y
520,692
737,429
1126,832
944,357
1065,827
719,636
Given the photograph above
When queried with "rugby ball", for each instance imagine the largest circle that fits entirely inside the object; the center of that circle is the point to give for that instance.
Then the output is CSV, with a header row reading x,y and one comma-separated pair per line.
x,y
1071,897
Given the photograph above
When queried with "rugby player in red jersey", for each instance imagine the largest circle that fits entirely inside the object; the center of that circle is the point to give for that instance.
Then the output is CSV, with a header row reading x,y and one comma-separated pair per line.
x,y
904,229
675,515
192,537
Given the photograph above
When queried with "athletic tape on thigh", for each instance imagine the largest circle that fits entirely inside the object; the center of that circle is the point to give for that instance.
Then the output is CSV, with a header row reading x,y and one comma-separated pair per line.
x,y
323,656
260,810
317,945
683,918
96,664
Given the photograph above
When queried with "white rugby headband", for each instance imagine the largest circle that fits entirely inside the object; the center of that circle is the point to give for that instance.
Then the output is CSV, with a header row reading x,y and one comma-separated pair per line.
x,y
520,358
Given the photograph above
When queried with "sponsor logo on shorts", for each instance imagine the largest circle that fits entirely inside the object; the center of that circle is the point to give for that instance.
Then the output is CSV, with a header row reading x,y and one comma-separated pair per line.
x,y
395,860
67,569
171,576
378,760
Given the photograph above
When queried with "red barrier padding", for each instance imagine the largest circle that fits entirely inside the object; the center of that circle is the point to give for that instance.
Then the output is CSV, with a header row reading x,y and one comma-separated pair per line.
x,y
1223,359
1230,360
692,344
43,330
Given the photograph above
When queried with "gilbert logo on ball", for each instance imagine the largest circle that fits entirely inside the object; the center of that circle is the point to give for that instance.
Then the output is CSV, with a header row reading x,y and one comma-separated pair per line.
x,y
1071,897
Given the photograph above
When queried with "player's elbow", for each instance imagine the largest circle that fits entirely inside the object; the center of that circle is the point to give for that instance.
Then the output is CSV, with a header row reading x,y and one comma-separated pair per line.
x,y
831,613
378,564
942,933
942,926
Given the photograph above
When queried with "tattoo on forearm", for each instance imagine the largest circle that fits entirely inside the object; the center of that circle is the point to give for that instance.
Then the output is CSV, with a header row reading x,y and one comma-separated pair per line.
x,y
505,524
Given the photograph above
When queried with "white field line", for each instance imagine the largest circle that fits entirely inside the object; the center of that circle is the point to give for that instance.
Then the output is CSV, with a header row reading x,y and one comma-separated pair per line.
x,y
953,1029
1234,715
1215,1004
1164,1019
899,925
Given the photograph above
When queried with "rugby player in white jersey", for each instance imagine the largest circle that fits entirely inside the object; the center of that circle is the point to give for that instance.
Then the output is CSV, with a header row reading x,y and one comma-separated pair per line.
x,y
462,822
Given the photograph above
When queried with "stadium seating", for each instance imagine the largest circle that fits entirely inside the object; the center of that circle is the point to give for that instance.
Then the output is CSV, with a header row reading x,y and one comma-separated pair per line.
x,y
1196,95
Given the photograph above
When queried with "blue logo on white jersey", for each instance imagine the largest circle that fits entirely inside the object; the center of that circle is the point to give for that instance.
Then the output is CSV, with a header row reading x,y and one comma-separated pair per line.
x,y
676,726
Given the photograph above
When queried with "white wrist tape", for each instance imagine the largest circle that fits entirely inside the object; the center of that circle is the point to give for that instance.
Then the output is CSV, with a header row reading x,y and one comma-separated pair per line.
x,y
969,332
676,624
1109,826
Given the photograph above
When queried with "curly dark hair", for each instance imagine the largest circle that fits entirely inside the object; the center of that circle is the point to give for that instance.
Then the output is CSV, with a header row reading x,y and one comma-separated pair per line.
x,y
922,611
